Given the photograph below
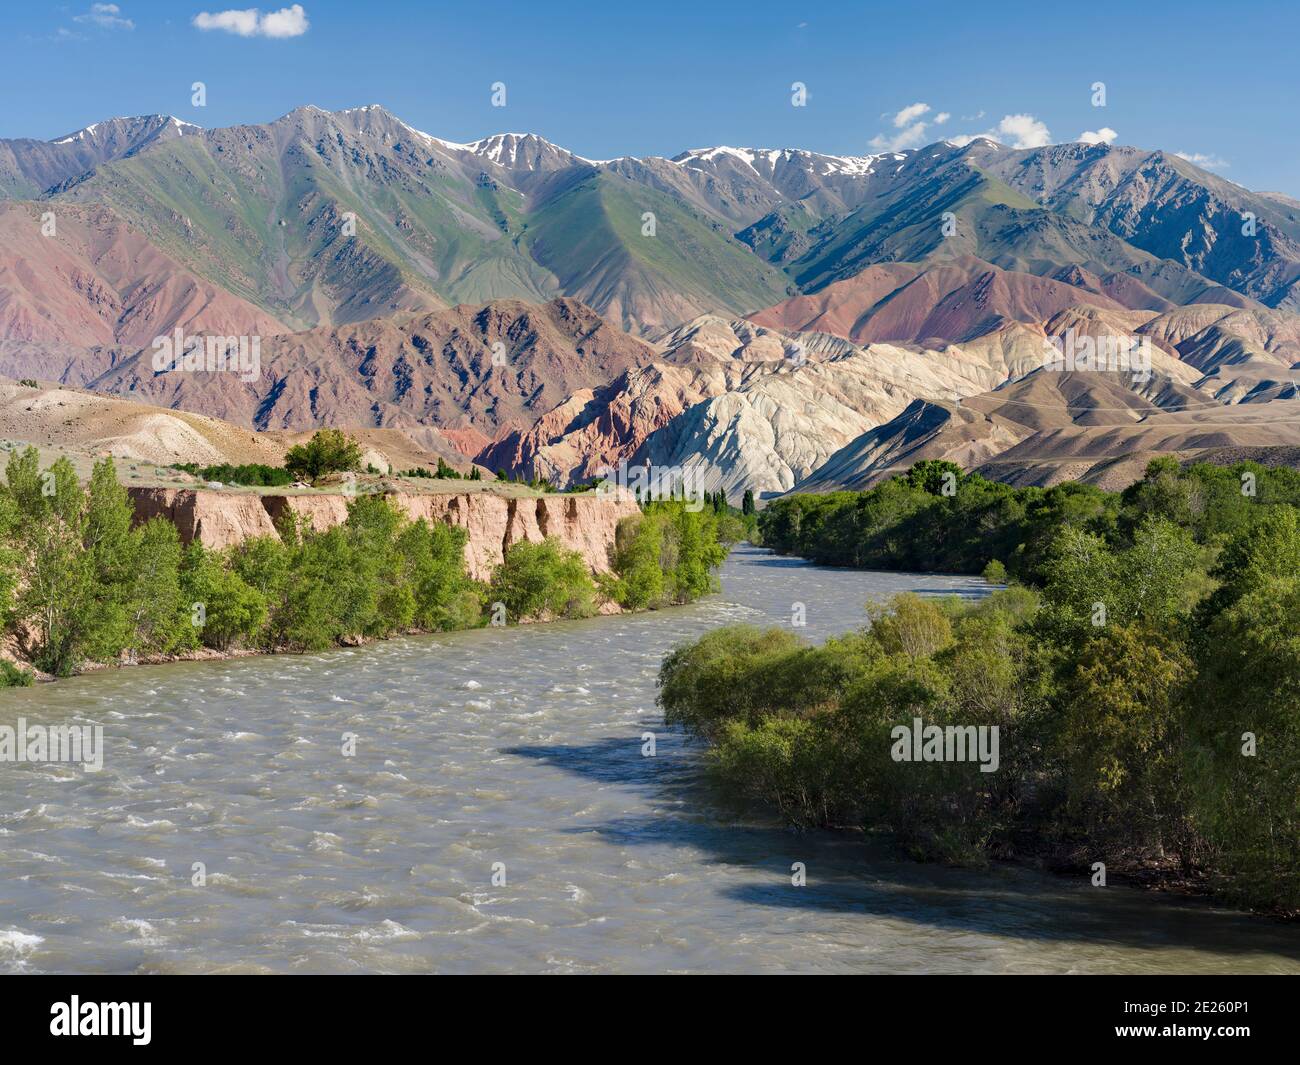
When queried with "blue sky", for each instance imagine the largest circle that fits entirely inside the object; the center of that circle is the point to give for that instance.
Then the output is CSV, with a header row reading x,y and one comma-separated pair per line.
x,y
1215,81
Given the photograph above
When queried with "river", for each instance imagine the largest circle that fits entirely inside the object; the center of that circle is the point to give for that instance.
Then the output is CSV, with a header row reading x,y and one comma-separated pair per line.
x,y
521,747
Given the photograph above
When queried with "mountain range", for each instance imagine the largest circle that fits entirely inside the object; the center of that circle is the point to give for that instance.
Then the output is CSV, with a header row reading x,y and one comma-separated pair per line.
x,y
766,314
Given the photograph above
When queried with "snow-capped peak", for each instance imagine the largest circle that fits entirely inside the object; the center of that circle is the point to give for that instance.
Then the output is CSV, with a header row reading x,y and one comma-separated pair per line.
x,y
384,112
513,150
80,135
769,158
156,121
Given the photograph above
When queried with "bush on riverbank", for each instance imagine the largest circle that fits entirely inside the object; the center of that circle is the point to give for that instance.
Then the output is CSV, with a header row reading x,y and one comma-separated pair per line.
x,y
79,584
543,581
12,676
666,555
1145,681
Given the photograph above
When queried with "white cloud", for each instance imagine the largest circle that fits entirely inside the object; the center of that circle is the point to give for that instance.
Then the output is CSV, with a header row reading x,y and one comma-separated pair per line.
x,y
1207,162
910,114
243,23
911,137
1015,131
287,22
106,16
1105,135
250,22
911,128
1022,131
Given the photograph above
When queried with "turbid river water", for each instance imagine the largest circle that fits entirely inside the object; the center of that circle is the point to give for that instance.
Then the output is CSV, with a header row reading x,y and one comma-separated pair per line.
x,y
523,747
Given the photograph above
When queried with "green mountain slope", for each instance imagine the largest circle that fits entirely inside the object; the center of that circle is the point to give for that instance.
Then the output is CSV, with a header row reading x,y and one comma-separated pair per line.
x,y
595,236
261,210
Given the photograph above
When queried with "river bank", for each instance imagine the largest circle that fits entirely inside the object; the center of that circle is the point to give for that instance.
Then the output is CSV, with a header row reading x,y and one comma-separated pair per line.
x,y
521,746
104,574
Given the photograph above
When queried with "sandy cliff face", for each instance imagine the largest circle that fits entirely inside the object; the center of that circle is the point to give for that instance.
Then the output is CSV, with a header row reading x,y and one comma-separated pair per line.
x,y
322,511
584,523
215,519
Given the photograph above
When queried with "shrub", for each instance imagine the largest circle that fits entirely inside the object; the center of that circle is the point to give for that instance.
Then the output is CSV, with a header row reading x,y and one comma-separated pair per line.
x,y
706,684
543,580
255,474
329,451
910,625
995,572
228,610
160,617
12,676
665,555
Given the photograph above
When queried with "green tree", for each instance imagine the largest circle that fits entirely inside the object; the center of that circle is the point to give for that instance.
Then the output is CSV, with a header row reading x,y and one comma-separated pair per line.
x,y
1119,735
158,614
935,475
639,577
1266,551
110,554
433,563
326,598
263,564
227,609
328,451
541,580
384,600
695,552
75,561
10,538
1244,759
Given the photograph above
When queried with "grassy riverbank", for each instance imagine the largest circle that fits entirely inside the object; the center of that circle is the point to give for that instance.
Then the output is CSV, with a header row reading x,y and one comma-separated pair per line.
x,y
1143,674
79,586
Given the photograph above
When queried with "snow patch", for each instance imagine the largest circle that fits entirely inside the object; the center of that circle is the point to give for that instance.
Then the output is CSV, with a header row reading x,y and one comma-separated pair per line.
x,y
848,165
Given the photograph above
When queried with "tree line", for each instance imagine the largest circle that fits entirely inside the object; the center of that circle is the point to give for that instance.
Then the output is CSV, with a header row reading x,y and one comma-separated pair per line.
x,y
82,583
1142,668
